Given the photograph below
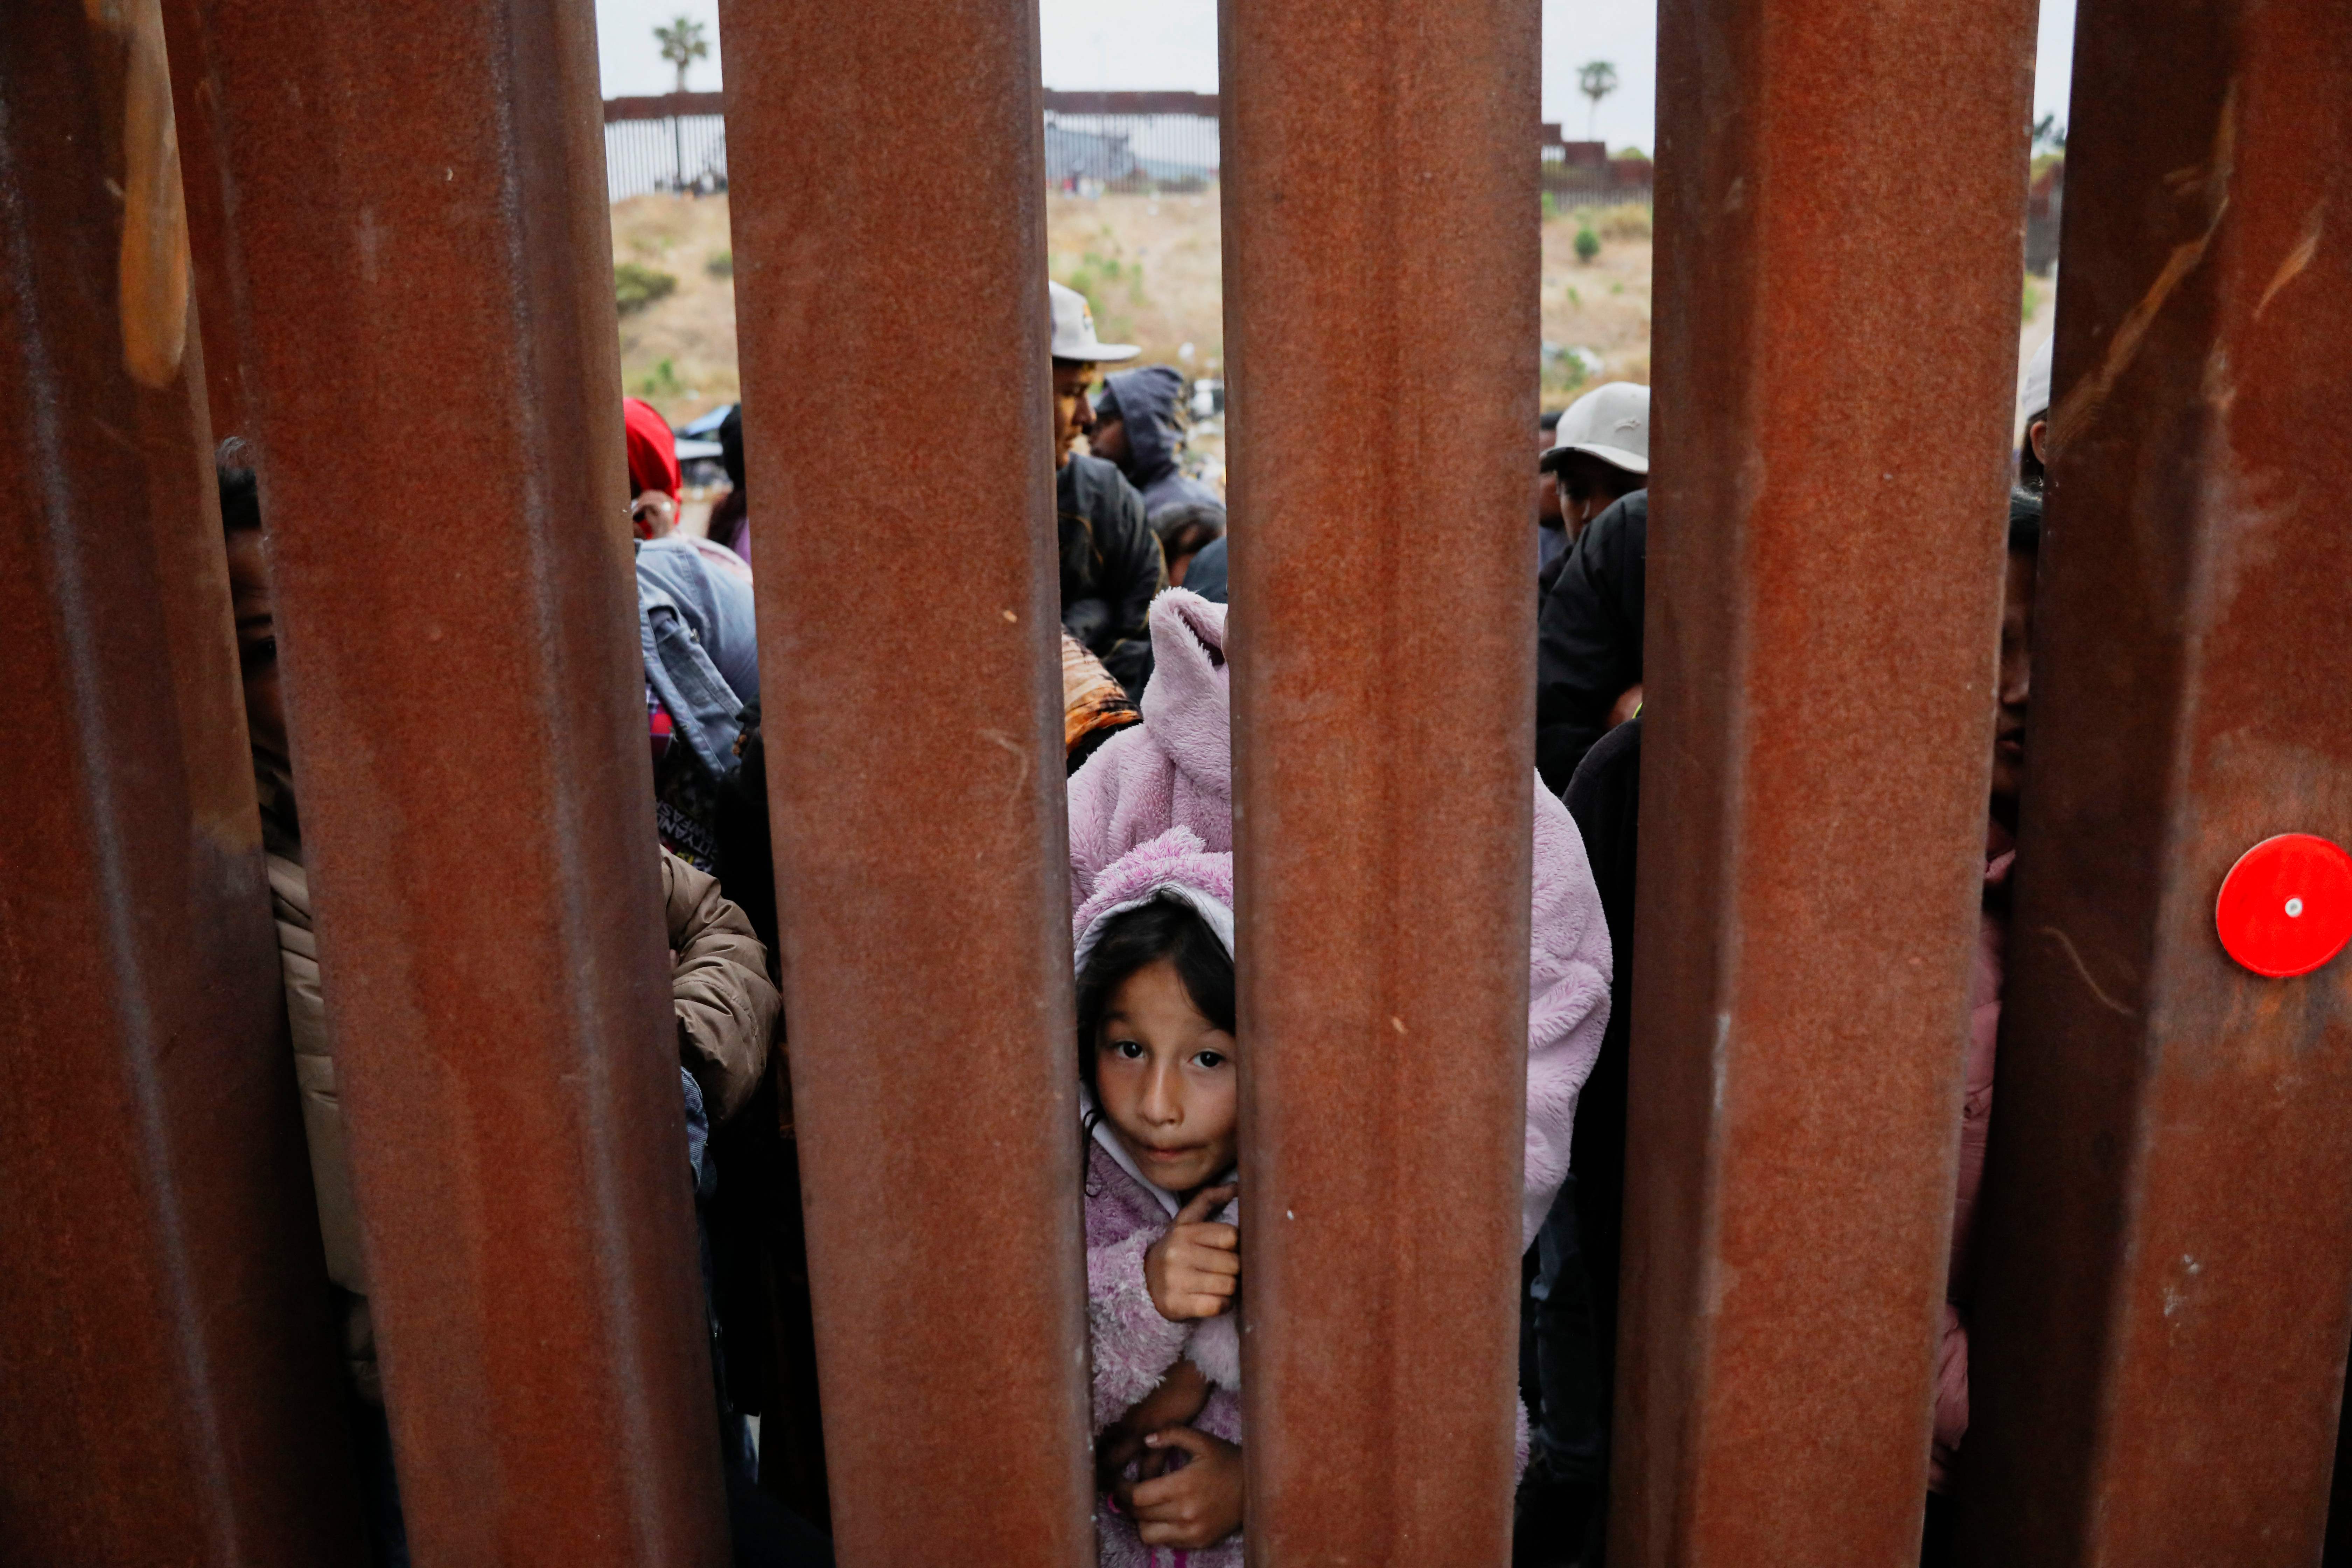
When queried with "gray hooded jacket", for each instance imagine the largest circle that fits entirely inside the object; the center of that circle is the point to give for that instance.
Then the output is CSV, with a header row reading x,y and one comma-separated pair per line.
x,y
1145,399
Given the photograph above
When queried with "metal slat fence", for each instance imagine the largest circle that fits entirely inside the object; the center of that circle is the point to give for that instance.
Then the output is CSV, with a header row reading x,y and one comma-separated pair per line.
x,y
676,156
1151,142
2164,1290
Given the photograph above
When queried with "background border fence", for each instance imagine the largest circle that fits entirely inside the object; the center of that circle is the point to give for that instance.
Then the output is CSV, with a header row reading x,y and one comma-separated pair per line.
x,y
1126,142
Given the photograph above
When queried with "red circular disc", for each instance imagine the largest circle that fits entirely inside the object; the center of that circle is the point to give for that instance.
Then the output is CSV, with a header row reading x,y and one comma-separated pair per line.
x,y
2286,906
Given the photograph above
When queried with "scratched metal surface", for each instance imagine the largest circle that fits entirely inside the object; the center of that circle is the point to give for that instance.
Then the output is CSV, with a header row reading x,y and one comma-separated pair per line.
x,y
1835,361
196,135
418,233
2167,1264
171,1386
1381,245
915,759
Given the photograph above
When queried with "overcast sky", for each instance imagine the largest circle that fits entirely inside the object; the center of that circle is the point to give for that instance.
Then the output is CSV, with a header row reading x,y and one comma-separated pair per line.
x,y
1172,45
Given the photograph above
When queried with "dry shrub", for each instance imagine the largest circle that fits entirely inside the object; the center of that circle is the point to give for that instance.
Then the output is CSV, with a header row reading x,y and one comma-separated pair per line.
x,y
1627,220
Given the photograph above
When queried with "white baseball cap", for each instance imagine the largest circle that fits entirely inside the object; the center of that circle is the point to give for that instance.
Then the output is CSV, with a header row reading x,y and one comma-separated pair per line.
x,y
1074,331
1611,423
2033,392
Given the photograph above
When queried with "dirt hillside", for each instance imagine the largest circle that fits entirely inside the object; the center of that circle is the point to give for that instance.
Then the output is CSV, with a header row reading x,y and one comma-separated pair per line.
x,y
1153,267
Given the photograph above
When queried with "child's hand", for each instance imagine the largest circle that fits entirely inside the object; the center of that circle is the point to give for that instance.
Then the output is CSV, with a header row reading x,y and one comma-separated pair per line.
x,y
1196,1506
1180,1397
1194,1269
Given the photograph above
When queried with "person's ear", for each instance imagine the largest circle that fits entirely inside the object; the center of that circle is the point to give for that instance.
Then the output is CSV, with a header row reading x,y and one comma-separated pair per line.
x,y
2037,435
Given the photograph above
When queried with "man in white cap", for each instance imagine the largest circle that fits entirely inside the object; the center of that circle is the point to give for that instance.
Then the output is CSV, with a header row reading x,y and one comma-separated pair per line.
x,y
1588,633
1111,565
1600,451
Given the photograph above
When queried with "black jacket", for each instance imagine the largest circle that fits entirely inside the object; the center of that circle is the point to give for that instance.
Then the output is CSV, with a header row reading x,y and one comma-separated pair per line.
x,y
1589,636
1206,575
1605,799
1111,568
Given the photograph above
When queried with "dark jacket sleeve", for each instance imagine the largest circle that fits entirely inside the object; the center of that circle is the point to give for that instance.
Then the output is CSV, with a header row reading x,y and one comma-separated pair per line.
x,y
1206,575
1589,638
1133,570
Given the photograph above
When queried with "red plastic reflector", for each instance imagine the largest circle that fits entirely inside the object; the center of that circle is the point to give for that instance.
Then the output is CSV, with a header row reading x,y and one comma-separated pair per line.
x,y
2286,906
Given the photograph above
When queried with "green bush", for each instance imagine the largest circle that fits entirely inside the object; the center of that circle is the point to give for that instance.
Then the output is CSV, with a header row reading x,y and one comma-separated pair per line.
x,y
1588,244
636,286
721,264
2031,302
1560,377
659,381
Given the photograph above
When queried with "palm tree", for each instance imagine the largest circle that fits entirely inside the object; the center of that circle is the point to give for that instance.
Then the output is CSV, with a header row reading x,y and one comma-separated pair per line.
x,y
682,44
1595,78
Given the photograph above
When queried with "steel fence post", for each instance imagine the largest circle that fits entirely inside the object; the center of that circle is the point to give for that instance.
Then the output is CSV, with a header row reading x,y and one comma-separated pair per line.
x,y
1840,188
2166,1261
418,233
914,758
1381,242
170,1381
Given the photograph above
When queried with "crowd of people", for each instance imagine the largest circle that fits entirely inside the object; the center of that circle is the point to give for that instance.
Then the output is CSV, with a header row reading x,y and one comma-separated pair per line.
x,y
1141,548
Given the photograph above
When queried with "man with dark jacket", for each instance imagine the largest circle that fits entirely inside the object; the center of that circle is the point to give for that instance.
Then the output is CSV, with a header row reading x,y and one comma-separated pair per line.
x,y
1571,1312
1599,451
1109,557
1589,639
1137,427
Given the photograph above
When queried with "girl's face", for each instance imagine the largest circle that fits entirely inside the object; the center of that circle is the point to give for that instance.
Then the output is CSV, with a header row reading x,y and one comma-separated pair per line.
x,y
1166,1078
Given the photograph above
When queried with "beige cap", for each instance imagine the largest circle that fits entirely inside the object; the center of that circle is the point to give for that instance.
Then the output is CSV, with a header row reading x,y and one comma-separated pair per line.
x,y
1074,331
1611,423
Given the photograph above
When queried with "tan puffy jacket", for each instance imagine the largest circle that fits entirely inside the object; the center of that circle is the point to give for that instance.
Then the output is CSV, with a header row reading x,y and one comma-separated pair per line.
x,y
725,1010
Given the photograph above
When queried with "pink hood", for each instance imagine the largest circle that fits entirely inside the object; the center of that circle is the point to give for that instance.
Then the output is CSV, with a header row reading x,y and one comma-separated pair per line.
x,y
1175,769
1173,865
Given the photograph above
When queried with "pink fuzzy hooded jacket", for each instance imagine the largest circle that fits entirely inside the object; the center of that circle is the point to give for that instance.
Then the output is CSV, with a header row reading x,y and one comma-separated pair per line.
x,y
1176,769
1131,1346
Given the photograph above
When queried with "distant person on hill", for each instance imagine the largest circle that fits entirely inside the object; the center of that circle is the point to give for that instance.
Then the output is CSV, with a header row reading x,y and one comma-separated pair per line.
x,y
655,478
1110,560
1588,633
1138,425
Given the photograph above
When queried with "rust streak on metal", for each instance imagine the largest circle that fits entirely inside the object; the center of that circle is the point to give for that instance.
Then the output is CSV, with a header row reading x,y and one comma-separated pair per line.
x,y
420,242
2162,1318
1380,246
170,1381
196,133
1835,363
921,864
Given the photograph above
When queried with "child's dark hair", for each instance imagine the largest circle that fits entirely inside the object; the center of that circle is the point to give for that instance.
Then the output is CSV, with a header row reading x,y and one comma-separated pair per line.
x,y
1164,928
240,498
2024,521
